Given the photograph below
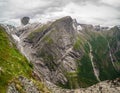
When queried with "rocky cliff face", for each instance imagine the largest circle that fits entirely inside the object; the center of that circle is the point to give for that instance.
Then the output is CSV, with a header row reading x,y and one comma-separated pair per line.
x,y
63,52
50,48
71,55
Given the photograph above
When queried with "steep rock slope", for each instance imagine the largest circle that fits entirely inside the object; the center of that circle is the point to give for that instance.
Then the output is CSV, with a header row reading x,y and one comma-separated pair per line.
x,y
14,67
51,47
69,54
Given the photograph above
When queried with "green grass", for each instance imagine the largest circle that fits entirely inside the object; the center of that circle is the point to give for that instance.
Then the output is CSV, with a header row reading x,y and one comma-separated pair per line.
x,y
48,40
77,44
85,72
102,58
12,63
35,33
84,76
117,55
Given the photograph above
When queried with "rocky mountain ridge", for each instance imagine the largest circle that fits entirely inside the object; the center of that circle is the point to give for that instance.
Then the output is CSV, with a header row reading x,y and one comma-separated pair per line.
x,y
70,55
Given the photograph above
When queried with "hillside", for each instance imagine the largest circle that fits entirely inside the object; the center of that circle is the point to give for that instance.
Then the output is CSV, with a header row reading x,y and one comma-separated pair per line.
x,y
64,56
72,55
13,66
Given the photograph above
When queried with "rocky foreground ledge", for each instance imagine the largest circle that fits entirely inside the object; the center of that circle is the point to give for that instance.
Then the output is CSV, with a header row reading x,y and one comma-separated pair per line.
x,y
108,86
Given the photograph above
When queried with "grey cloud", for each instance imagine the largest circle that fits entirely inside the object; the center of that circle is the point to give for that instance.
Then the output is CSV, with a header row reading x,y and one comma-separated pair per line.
x,y
80,9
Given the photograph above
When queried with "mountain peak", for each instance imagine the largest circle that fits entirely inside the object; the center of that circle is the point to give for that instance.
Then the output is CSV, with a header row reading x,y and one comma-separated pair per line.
x,y
66,19
69,54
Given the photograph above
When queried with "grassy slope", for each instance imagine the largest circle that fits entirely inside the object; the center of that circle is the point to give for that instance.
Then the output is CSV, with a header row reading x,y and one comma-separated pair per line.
x,y
100,52
13,64
85,75
102,59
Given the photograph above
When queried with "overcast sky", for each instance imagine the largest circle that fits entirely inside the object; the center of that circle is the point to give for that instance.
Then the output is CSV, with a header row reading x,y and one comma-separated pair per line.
x,y
103,12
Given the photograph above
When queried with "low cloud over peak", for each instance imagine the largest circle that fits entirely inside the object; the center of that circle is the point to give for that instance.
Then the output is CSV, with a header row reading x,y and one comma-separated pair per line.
x,y
103,12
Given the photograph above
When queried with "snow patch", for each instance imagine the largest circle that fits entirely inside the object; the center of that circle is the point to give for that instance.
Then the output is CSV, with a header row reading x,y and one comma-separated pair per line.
x,y
79,27
15,37
74,26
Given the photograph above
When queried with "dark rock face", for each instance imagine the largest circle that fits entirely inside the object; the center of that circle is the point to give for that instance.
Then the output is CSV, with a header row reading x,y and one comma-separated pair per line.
x,y
25,20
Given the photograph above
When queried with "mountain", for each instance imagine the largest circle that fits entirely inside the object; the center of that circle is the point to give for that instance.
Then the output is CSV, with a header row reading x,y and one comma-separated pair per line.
x,y
16,73
70,55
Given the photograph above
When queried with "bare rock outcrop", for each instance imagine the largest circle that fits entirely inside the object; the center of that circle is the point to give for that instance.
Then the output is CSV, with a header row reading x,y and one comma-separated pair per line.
x,y
21,85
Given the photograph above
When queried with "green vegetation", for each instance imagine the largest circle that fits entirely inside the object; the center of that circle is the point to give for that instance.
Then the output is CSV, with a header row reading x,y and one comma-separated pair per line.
x,y
102,58
72,81
84,76
13,64
21,88
36,32
18,85
117,55
85,72
41,87
77,44
86,48
48,40
48,59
